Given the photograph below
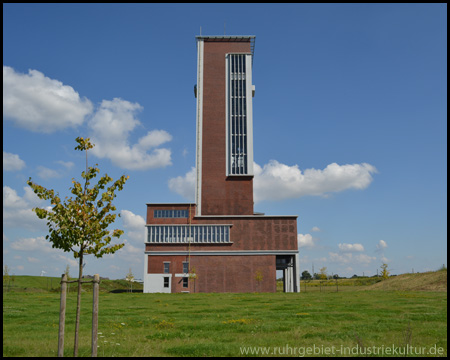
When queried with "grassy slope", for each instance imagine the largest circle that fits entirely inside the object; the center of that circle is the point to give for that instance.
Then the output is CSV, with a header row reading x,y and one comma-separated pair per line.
x,y
429,281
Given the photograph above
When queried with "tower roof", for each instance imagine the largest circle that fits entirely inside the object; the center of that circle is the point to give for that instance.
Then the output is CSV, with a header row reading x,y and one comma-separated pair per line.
x,y
225,38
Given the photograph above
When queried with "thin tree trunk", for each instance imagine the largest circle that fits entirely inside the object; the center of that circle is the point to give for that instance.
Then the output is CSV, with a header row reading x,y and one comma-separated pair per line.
x,y
77,323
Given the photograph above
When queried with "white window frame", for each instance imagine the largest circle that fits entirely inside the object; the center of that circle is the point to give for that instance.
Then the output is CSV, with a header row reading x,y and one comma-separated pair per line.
x,y
249,114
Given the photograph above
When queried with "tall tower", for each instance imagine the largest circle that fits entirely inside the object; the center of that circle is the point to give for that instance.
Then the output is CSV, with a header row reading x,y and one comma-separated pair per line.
x,y
219,238
224,94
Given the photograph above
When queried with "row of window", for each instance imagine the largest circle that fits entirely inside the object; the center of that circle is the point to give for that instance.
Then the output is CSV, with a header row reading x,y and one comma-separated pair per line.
x,y
188,233
167,271
167,267
167,282
171,213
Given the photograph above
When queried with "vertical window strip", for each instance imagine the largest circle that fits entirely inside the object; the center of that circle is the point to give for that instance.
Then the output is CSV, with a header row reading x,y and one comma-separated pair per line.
x,y
238,163
235,113
238,113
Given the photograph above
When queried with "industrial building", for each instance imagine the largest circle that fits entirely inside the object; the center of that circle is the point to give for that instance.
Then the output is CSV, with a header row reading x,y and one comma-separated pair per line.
x,y
218,243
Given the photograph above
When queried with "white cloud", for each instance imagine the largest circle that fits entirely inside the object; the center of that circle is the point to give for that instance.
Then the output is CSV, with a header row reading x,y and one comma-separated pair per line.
x,y
364,259
131,250
17,211
184,185
12,162
349,258
132,221
305,240
38,244
111,126
42,251
381,245
134,226
11,199
46,173
315,229
350,247
31,197
38,103
67,164
276,181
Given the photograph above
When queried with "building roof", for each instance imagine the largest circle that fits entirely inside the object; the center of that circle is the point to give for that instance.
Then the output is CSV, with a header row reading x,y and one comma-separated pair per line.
x,y
226,37
238,38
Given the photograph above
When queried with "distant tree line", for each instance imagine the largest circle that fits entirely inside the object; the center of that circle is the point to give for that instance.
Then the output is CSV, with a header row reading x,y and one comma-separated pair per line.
x,y
306,275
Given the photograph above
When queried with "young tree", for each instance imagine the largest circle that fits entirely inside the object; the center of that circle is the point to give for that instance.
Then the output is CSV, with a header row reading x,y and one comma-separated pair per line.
x,y
80,224
259,278
323,273
130,279
67,271
384,271
193,276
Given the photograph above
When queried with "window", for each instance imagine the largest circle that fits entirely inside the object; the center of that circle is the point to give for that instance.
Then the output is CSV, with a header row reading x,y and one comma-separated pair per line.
x,y
166,282
171,213
185,282
166,268
188,234
239,143
185,267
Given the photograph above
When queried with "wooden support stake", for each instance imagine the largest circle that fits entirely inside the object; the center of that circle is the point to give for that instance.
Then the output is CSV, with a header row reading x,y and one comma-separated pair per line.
x,y
95,315
62,315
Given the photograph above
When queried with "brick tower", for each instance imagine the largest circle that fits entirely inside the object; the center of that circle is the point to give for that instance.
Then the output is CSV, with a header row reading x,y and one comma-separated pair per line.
x,y
218,243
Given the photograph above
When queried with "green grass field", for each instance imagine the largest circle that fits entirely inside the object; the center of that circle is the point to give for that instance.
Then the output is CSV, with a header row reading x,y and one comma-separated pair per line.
x,y
230,324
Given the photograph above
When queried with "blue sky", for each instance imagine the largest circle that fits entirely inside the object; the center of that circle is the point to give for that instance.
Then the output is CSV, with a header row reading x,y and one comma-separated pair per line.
x,y
350,129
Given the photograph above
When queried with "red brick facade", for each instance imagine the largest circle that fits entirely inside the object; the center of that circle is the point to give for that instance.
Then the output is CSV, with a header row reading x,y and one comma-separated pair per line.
x,y
220,194
219,273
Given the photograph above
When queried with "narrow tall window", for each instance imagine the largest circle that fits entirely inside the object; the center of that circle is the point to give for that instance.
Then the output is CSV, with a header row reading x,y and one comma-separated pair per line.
x,y
166,268
239,122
